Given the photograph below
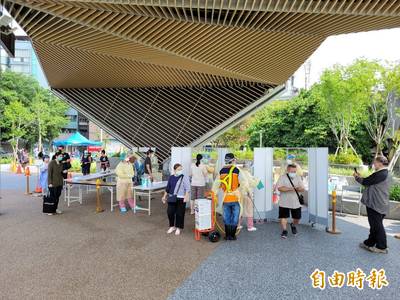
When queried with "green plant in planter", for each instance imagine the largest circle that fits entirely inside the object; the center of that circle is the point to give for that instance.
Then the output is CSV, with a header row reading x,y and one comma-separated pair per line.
x,y
344,158
395,193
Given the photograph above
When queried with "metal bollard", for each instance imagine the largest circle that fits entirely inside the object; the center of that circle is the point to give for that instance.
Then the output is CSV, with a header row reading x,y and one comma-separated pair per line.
x,y
333,230
27,175
99,209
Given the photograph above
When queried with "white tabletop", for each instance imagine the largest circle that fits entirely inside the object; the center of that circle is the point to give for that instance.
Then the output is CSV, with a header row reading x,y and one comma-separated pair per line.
x,y
154,186
93,176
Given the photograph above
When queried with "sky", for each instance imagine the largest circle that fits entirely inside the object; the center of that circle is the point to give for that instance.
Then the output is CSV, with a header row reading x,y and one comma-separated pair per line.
x,y
344,49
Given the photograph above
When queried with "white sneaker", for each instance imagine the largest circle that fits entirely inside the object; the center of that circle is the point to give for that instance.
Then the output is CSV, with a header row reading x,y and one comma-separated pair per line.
x,y
50,214
251,229
178,231
171,230
58,212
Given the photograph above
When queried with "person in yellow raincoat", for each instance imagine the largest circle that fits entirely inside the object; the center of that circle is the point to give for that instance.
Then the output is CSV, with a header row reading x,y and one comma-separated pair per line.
x,y
125,173
247,184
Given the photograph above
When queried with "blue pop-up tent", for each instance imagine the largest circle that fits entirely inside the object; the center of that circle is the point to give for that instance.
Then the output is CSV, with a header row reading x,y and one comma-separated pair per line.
x,y
77,140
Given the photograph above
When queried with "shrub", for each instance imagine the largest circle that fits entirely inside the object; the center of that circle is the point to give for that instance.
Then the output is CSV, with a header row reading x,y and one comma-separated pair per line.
x,y
343,158
279,154
395,193
76,166
5,160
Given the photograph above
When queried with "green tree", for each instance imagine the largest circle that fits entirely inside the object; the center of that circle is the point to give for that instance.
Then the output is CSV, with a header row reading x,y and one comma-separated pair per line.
x,y
17,118
235,137
346,94
48,110
49,113
294,123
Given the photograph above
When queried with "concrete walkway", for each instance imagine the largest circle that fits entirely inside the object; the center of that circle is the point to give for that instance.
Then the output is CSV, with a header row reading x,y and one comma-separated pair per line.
x,y
84,255
260,265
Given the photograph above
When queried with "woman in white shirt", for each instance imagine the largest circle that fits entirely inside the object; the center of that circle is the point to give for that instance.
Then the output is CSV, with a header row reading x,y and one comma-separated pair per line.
x,y
198,172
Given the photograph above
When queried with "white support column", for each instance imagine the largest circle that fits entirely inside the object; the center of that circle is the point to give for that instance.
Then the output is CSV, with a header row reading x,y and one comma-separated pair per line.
x,y
263,169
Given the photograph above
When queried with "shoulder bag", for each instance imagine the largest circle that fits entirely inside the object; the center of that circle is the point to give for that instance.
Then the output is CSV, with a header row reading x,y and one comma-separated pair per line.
x,y
173,197
300,197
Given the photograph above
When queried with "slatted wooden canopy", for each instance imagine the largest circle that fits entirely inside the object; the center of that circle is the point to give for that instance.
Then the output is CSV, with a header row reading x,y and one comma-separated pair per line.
x,y
166,72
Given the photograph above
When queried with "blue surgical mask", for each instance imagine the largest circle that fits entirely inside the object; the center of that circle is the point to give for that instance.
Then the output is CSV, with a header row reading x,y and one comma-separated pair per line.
x,y
179,173
292,175
60,158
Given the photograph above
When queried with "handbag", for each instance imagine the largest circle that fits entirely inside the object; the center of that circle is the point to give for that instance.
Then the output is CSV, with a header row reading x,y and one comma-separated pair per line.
x,y
173,197
300,197
48,204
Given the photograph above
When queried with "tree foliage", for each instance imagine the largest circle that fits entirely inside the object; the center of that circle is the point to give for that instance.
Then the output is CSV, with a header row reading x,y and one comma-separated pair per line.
x,y
29,111
294,123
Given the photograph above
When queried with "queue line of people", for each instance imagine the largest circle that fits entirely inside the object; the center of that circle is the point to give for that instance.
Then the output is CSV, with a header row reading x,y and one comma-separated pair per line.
x,y
236,184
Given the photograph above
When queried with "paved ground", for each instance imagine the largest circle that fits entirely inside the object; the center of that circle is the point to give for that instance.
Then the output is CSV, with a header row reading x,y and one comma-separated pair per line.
x,y
261,265
83,255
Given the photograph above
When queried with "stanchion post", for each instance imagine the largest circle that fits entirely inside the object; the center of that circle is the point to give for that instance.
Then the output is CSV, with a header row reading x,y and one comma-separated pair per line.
x,y
333,230
27,175
99,209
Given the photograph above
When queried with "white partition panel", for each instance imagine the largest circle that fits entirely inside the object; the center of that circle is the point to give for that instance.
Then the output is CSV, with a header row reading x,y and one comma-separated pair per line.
x,y
221,158
263,166
318,199
183,156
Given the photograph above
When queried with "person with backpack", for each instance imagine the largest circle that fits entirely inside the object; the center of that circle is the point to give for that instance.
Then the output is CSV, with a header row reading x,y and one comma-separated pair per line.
x,y
176,195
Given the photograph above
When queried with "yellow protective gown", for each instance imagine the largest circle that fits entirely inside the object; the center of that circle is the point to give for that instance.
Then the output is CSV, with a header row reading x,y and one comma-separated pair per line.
x,y
125,173
247,184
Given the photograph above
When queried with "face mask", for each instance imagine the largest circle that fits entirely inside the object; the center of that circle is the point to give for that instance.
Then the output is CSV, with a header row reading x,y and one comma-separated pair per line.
x,y
59,158
179,173
292,175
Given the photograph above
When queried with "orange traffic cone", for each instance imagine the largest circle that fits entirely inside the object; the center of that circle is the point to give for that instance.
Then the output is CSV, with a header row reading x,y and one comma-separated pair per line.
x,y
38,188
19,169
27,171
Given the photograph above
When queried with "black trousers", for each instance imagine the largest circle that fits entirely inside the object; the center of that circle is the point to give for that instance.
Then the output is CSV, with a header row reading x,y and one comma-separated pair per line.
x,y
176,213
377,234
55,193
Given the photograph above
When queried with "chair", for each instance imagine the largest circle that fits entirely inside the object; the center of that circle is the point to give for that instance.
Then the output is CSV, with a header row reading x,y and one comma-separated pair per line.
x,y
351,193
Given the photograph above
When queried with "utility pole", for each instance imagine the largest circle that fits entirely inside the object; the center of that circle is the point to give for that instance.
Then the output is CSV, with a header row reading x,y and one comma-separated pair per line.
x,y
261,132
307,71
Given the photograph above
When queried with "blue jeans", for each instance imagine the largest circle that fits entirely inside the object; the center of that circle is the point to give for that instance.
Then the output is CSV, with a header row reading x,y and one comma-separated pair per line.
x,y
231,213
